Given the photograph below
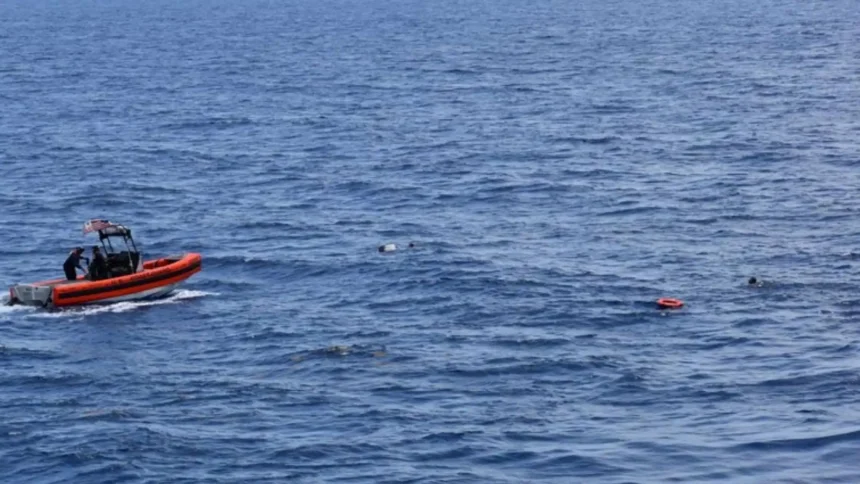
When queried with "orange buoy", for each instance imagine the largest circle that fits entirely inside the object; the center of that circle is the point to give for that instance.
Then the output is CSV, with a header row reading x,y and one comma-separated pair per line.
x,y
670,303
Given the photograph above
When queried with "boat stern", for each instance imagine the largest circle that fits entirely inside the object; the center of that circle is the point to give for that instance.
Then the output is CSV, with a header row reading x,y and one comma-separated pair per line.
x,y
30,294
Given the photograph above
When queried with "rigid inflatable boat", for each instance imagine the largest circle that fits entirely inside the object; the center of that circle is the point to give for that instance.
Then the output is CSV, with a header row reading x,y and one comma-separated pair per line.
x,y
129,278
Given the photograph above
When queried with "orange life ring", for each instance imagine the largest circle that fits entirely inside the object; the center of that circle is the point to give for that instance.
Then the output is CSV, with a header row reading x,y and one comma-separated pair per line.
x,y
670,303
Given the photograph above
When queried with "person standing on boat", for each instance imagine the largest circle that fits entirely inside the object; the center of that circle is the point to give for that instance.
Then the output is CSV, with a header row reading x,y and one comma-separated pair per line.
x,y
98,267
73,262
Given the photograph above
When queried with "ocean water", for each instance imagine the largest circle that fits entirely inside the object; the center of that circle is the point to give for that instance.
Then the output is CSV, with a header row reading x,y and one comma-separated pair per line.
x,y
558,165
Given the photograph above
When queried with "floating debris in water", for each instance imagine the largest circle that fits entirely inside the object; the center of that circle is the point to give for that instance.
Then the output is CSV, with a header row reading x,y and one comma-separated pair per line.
x,y
341,350
338,350
387,248
393,247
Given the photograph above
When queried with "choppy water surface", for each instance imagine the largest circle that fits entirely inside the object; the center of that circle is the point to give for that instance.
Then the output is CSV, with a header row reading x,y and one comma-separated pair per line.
x,y
558,165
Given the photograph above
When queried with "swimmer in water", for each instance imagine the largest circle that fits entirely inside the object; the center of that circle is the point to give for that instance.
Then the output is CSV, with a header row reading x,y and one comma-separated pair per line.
x,y
755,282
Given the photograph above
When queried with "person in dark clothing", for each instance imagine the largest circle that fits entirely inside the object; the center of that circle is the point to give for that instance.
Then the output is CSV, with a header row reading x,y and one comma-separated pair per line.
x,y
98,267
73,262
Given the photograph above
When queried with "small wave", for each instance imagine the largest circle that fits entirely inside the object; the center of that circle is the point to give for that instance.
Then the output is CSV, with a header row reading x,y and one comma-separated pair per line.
x,y
753,321
109,414
149,188
507,458
337,351
534,367
48,380
612,108
596,140
321,451
723,342
529,343
27,353
451,453
448,436
575,465
818,380
231,260
593,173
628,211
270,334
217,123
273,224
536,187
461,71
231,285
702,221
802,444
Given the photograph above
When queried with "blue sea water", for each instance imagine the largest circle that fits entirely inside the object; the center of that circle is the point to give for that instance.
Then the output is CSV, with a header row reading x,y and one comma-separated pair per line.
x,y
559,166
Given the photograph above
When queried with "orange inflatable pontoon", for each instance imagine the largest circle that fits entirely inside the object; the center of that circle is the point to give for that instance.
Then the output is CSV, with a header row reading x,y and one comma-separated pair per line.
x,y
128,279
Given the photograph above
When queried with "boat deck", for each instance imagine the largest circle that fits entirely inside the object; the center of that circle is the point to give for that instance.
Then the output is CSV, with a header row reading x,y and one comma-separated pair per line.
x,y
59,282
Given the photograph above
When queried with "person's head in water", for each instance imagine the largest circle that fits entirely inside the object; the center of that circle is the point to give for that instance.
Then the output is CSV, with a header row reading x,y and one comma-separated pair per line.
x,y
752,280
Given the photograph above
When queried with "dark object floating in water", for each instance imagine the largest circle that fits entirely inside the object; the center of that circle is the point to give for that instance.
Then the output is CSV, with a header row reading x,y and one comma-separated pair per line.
x,y
342,350
755,282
